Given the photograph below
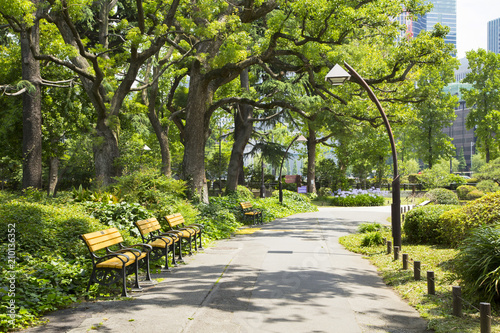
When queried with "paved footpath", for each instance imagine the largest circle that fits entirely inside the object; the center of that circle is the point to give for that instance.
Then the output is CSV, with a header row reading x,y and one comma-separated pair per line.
x,y
290,276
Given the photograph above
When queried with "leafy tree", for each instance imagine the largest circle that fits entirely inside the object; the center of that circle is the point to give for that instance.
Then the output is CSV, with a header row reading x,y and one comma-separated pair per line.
x,y
484,100
462,165
490,171
477,162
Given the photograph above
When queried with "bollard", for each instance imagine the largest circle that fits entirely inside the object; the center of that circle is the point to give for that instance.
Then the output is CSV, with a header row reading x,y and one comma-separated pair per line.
x,y
431,288
416,270
457,301
403,217
405,260
389,247
485,310
396,253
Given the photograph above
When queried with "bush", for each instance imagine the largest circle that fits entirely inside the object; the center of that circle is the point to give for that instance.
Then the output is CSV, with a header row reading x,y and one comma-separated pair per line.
x,y
457,223
372,239
487,186
473,195
442,196
52,266
478,264
244,193
360,200
369,227
463,190
325,192
422,224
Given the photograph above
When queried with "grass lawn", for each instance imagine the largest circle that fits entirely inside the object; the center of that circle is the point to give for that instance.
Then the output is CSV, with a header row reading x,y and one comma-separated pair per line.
x,y
437,309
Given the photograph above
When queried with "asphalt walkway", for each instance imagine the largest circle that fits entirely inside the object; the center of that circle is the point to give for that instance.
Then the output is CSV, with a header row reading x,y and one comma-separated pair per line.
x,y
288,276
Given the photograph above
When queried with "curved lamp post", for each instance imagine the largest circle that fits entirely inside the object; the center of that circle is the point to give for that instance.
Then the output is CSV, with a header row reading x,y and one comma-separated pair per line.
x,y
338,76
298,138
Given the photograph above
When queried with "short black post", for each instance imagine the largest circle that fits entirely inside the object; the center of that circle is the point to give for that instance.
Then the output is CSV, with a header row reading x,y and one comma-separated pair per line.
x,y
389,247
485,310
396,253
457,301
405,260
416,270
431,287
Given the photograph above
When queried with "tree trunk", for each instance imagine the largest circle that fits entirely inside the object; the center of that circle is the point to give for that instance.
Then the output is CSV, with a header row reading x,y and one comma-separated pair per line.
x,y
243,126
196,133
311,161
53,176
106,153
32,111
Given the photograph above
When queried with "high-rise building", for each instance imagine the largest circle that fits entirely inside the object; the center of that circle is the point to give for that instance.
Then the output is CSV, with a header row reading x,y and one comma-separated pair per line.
x,y
494,36
444,12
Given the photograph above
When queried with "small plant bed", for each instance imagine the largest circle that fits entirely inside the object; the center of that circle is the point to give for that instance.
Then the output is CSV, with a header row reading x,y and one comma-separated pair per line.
x,y
437,309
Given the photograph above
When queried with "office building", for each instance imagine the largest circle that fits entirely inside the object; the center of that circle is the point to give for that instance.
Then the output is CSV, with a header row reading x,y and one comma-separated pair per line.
x,y
494,36
443,12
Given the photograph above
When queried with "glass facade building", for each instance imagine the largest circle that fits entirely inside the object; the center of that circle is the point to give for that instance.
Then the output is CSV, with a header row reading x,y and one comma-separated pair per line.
x,y
444,12
494,36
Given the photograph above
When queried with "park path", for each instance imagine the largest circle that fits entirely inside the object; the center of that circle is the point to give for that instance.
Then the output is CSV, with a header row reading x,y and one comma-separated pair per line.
x,y
290,275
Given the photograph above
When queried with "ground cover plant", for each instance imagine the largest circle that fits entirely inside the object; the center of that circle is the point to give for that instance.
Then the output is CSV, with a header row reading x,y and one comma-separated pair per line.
x,y
437,309
358,198
51,265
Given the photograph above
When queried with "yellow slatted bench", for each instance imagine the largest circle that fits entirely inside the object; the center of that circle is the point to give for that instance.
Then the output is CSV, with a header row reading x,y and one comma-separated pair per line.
x,y
187,232
251,213
162,242
111,260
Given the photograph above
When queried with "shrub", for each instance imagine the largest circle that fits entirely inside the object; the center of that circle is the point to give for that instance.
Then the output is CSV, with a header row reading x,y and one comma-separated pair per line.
x,y
359,200
463,190
457,223
487,186
325,192
475,194
478,263
422,224
372,239
119,215
52,265
442,196
244,193
369,227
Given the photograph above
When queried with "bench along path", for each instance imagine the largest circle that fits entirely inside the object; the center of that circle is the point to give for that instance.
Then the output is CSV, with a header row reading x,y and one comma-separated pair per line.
x,y
289,276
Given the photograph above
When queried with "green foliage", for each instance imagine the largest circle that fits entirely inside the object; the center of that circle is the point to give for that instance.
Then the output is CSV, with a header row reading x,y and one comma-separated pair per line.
x,y
475,194
244,193
457,223
119,215
51,267
478,264
360,200
325,192
372,239
488,186
422,224
442,196
463,190
369,227
439,176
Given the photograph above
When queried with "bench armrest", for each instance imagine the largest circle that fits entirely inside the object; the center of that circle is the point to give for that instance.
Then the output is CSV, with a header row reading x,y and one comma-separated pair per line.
x,y
114,255
170,234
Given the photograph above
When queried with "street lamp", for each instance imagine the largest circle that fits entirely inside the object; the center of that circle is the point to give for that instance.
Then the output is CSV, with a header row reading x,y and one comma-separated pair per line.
x,y
298,138
338,76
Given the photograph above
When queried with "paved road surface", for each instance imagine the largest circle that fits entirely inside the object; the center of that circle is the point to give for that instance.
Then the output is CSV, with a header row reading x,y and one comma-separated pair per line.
x,y
289,276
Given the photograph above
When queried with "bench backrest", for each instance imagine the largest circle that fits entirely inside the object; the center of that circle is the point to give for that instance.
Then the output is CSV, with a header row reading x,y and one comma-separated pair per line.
x,y
147,226
245,205
101,239
175,220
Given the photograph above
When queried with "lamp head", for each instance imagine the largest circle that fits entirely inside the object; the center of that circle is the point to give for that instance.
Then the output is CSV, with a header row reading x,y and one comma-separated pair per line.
x,y
337,75
301,138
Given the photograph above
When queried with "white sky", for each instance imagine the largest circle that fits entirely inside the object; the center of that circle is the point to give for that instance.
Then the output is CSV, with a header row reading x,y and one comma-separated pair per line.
x,y
472,23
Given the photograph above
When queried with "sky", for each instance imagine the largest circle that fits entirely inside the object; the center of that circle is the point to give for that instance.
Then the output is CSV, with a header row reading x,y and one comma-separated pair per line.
x,y
472,23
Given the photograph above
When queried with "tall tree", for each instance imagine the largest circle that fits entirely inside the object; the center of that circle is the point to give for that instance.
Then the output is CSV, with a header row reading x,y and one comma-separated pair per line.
x,y
484,100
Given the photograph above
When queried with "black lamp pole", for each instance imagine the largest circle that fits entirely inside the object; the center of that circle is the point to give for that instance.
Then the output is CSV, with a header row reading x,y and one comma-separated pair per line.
x,y
396,189
281,168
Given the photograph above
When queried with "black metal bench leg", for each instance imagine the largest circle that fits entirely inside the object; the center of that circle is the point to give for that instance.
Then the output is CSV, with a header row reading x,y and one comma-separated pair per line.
x,y
136,268
148,272
124,281
180,250
92,278
199,237
190,246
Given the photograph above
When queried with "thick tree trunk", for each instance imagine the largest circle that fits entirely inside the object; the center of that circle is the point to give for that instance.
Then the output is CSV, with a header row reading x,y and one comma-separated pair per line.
x,y
311,161
242,130
53,176
32,111
196,133
106,153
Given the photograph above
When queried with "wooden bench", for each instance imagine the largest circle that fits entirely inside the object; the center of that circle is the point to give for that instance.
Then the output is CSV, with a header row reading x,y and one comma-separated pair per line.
x,y
186,232
251,213
161,242
112,261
